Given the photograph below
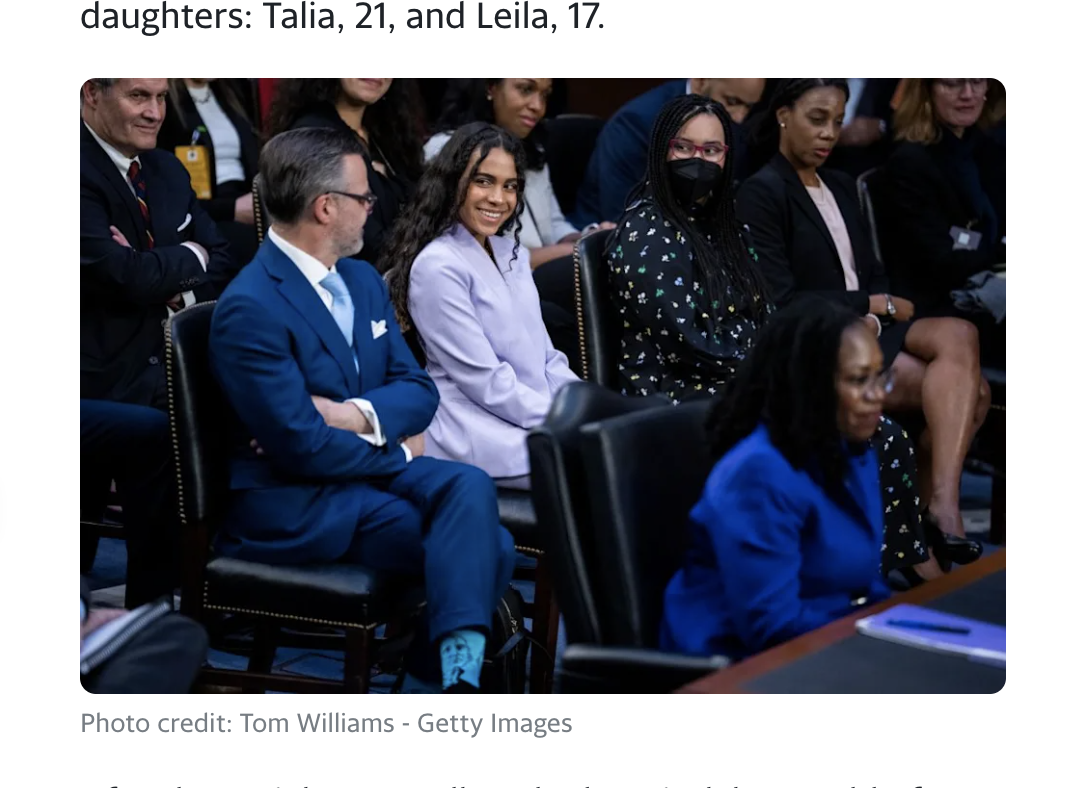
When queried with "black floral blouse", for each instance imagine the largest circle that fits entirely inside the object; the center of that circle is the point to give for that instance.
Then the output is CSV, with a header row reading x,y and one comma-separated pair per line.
x,y
677,341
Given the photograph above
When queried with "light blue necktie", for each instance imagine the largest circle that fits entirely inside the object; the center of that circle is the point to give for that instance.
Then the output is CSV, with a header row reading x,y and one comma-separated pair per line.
x,y
342,308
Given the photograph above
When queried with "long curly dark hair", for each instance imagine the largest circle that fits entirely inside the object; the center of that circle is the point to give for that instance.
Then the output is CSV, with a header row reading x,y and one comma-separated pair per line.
x,y
437,201
392,122
725,262
788,384
466,101
764,128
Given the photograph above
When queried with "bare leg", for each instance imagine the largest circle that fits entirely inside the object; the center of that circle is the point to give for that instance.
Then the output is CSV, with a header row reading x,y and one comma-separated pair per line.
x,y
939,373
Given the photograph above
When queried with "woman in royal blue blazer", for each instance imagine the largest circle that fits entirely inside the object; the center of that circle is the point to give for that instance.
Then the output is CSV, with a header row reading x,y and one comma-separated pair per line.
x,y
787,535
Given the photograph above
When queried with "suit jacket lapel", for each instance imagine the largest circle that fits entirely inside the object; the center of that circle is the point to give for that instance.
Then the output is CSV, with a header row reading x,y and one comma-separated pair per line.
x,y
800,195
296,289
100,160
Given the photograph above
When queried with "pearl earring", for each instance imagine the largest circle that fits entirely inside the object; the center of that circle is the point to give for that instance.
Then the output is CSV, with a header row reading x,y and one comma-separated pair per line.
x,y
782,125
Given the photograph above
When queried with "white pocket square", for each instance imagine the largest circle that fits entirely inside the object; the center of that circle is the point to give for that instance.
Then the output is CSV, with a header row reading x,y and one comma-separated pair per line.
x,y
182,226
379,328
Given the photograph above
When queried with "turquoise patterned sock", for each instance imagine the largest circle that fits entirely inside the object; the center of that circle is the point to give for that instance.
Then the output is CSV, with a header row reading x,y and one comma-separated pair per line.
x,y
462,655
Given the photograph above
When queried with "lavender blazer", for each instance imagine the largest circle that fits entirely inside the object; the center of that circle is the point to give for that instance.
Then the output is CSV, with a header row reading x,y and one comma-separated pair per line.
x,y
488,351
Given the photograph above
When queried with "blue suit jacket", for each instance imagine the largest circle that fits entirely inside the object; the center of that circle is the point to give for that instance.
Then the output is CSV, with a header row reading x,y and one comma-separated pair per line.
x,y
771,555
273,344
621,156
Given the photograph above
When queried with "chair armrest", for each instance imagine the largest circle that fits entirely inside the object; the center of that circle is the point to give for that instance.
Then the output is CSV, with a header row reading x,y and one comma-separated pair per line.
x,y
618,669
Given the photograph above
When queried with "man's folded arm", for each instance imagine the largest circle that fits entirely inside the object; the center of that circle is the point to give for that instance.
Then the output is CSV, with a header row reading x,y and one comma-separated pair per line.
x,y
251,359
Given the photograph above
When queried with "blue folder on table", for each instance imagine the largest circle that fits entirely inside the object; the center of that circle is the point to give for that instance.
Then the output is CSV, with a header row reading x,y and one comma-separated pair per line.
x,y
921,627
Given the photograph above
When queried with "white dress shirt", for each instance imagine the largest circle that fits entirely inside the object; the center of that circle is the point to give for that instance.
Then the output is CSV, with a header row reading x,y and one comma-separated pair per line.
x,y
226,147
315,272
123,163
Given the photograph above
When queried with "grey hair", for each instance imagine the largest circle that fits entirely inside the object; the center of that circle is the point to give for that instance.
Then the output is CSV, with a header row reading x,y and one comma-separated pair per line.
x,y
298,166
104,84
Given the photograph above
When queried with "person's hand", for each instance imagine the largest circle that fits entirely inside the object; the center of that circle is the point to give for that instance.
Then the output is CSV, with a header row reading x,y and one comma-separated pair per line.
x,y
98,617
415,445
607,226
243,209
861,132
906,310
176,303
871,321
342,415
118,237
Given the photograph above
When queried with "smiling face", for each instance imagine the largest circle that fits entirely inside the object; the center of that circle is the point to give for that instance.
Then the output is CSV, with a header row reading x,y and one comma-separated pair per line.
x,y
860,385
127,115
365,91
811,126
490,195
520,103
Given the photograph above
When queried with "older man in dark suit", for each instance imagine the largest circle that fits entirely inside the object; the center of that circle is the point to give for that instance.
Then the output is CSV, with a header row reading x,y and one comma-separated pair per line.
x,y
146,249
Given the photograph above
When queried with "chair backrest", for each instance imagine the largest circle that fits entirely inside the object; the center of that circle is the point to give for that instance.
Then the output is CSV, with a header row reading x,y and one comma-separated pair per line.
x,y
560,498
569,145
867,207
198,412
261,220
645,472
598,322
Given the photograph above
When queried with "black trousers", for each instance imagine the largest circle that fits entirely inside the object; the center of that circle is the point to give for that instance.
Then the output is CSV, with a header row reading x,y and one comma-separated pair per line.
x,y
130,444
163,659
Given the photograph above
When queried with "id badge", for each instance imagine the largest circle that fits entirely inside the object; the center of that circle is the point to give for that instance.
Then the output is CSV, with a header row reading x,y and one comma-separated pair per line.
x,y
195,159
965,239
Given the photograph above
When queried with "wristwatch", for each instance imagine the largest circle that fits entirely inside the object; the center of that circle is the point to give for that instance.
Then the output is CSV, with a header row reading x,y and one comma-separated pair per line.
x,y
891,310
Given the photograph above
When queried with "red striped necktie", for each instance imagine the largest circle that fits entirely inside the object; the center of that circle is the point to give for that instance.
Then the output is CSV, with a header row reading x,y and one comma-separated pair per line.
x,y
142,196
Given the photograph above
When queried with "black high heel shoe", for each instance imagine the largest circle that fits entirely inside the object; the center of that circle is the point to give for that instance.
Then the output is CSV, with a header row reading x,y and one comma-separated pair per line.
x,y
949,549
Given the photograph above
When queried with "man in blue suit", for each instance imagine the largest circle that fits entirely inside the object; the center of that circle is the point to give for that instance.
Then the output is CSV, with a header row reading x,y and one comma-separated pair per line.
x,y
620,158
329,409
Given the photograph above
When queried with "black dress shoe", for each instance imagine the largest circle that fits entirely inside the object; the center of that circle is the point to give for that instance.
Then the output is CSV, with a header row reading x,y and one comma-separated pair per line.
x,y
949,549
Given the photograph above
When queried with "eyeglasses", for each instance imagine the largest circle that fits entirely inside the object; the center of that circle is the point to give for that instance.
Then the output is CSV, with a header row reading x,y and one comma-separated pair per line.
x,y
957,85
883,382
684,149
367,200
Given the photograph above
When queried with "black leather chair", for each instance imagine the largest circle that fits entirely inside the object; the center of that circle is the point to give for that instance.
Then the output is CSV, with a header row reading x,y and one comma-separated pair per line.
x,y
261,220
863,193
644,473
570,142
353,599
562,503
598,323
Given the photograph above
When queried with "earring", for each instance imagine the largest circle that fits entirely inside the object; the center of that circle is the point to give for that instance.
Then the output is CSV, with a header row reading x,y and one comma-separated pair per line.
x,y
782,125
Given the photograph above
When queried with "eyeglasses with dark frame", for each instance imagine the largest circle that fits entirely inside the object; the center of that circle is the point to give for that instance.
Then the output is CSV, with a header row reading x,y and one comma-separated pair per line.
x,y
684,149
367,200
976,85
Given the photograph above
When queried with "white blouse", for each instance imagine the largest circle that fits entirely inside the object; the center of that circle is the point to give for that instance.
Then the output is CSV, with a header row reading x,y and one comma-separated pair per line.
x,y
226,147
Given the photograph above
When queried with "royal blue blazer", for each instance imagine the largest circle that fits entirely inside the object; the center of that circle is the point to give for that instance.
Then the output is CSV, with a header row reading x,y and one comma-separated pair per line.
x,y
771,554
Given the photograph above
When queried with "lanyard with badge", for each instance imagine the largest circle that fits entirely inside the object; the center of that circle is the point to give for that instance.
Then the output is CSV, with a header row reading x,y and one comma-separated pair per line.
x,y
194,158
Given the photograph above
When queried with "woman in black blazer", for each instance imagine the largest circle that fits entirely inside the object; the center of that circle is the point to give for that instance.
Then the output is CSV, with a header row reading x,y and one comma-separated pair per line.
x,y
946,176
199,111
383,113
810,236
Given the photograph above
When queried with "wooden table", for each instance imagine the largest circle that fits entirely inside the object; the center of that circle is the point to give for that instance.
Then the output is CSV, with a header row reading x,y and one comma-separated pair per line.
x,y
734,678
